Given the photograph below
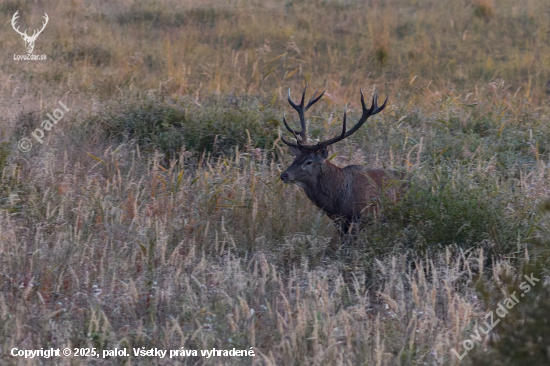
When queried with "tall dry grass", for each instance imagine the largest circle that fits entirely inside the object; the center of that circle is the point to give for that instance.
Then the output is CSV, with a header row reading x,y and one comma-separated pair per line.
x,y
154,216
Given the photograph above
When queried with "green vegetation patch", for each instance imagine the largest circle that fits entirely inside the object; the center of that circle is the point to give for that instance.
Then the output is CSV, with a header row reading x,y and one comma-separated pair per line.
x,y
522,333
216,125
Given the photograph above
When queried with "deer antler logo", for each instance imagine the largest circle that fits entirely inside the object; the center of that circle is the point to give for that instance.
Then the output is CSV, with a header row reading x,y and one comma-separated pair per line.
x,y
29,41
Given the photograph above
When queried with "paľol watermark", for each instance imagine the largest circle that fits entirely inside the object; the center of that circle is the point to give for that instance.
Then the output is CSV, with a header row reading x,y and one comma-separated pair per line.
x,y
29,40
501,311
25,144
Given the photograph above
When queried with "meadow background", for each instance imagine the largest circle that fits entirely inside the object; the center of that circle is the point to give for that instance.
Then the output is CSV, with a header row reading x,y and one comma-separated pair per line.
x,y
153,214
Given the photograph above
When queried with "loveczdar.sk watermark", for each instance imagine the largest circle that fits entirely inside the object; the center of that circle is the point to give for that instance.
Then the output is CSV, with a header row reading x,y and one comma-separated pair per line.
x,y
25,144
29,40
502,309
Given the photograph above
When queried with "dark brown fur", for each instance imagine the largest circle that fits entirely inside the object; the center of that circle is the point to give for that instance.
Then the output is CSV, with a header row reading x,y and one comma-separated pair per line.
x,y
346,194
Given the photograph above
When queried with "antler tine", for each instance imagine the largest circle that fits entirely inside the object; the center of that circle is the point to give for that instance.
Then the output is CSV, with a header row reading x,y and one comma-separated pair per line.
x,y
364,105
381,107
343,134
287,126
13,19
344,121
303,96
294,105
287,142
314,100
295,133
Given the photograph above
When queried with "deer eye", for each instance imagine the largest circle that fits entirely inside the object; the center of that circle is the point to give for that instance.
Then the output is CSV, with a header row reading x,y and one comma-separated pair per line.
x,y
309,162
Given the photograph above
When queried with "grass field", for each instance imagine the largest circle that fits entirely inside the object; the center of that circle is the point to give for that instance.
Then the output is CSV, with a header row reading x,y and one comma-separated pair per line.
x,y
153,215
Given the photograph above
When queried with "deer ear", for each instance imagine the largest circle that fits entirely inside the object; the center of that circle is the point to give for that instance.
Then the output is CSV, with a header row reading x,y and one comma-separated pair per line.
x,y
324,153
295,150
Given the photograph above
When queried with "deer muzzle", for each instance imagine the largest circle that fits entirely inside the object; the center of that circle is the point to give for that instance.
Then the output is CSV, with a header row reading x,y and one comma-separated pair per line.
x,y
285,178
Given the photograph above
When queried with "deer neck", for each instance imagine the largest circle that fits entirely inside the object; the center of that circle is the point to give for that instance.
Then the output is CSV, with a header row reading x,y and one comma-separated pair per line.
x,y
327,189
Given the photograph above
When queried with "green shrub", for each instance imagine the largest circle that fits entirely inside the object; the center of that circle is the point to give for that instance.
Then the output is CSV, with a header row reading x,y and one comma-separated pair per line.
x,y
217,125
454,207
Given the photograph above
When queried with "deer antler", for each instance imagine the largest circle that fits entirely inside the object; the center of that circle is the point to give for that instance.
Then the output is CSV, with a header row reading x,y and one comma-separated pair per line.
x,y
34,34
15,16
374,109
301,110
43,25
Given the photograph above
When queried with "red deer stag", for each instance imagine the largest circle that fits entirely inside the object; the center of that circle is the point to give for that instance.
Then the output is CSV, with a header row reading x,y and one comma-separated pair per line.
x,y
345,194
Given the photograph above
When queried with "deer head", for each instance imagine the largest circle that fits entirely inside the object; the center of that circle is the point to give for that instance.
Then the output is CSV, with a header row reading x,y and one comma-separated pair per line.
x,y
310,160
29,41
